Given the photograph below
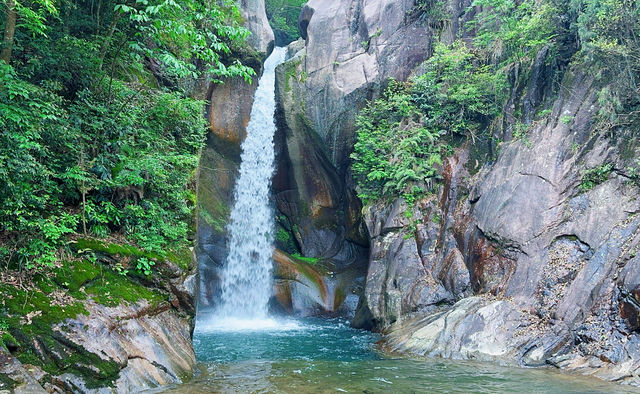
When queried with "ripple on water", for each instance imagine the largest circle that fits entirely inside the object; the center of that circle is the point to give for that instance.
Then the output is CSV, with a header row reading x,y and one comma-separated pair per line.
x,y
325,356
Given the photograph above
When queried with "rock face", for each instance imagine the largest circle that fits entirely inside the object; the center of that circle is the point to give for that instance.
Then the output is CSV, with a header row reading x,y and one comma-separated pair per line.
x,y
518,261
350,48
262,37
552,263
112,346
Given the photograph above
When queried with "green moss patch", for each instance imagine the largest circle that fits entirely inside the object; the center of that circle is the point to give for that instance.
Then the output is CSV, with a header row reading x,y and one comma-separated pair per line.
x,y
181,257
28,316
74,276
6,383
114,249
111,289
36,309
308,260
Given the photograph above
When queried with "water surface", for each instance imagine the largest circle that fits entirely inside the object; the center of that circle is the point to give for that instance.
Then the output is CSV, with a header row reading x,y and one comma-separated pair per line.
x,y
327,356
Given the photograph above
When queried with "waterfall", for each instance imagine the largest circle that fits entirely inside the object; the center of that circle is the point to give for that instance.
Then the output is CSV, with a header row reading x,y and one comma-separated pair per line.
x,y
247,275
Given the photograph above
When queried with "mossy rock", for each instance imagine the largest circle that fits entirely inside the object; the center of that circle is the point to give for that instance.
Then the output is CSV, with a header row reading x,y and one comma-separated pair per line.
x,y
111,289
6,383
180,257
31,315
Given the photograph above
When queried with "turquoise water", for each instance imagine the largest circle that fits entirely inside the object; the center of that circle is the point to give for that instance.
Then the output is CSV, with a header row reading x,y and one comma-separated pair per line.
x,y
310,340
327,356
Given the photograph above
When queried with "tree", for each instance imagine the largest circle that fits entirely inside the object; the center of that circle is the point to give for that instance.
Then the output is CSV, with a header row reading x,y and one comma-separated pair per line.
x,y
33,15
9,31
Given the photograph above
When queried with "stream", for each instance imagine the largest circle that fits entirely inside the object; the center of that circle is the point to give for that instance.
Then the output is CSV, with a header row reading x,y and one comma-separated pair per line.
x,y
327,356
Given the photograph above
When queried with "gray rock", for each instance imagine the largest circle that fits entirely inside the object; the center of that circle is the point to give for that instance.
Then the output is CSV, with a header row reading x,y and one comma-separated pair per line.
x,y
261,37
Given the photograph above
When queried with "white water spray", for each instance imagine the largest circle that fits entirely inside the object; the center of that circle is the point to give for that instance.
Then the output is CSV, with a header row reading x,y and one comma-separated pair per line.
x,y
247,276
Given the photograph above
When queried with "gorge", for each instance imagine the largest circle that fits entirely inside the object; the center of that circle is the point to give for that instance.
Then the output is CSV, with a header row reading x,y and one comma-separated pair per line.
x,y
406,196
516,257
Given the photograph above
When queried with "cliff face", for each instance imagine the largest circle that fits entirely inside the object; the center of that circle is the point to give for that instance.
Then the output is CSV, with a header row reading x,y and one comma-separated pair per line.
x,y
348,49
540,270
515,260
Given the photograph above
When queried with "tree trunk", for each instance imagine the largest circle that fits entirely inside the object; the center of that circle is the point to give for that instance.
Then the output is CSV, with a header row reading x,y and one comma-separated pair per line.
x,y
83,190
9,31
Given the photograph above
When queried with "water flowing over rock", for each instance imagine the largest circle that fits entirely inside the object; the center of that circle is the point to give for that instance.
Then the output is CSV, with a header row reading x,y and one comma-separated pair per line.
x,y
349,49
228,114
247,277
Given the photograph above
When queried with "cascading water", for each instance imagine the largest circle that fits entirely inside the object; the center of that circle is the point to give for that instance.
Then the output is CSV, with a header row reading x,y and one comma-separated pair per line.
x,y
247,276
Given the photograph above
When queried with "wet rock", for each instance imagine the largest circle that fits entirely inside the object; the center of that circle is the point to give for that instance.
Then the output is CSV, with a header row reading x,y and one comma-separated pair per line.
x,y
475,327
17,377
349,49
313,288
560,262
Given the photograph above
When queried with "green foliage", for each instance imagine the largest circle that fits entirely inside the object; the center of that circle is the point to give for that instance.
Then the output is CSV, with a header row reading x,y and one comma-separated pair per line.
x,y
513,30
144,265
394,153
283,16
97,132
633,172
595,176
401,137
566,119
608,31
33,15
458,93
187,30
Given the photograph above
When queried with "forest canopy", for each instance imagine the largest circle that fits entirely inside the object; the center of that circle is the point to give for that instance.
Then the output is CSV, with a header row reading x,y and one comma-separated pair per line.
x,y
100,122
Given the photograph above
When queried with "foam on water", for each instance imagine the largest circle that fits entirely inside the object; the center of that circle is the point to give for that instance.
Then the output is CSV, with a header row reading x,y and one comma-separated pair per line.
x,y
234,324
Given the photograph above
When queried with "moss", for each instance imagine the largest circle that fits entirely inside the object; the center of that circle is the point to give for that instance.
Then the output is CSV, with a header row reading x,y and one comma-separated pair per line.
x,y
74,275
214,211
308,260
64,356
311,271
177,256
19,304
182,257
29,316
8,342
115,249
285,241
291,71
217,224
111,288
6,383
